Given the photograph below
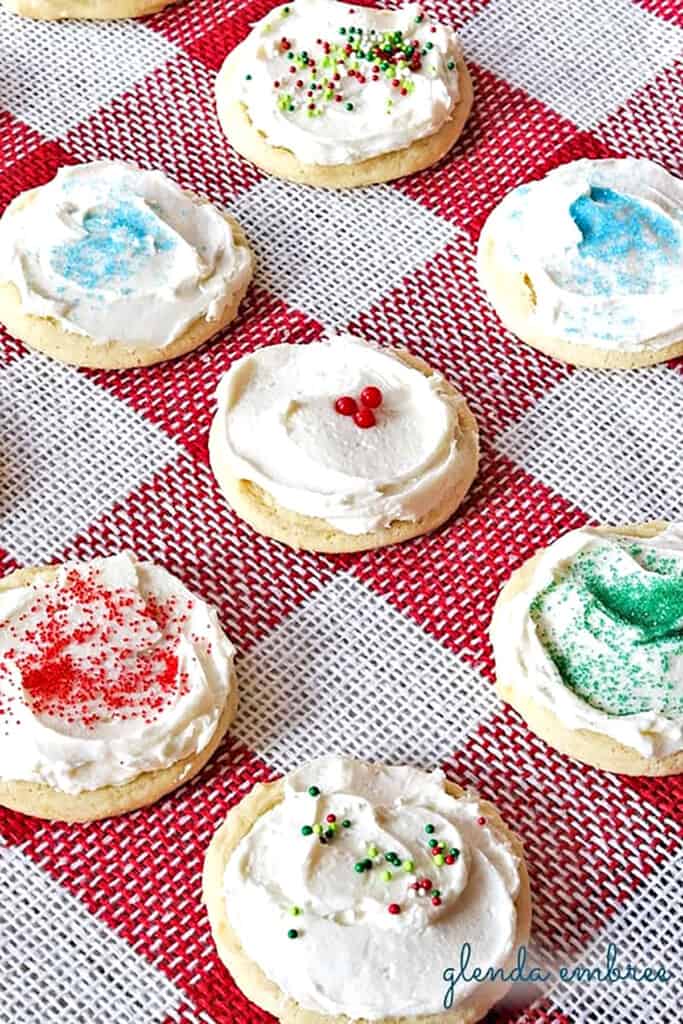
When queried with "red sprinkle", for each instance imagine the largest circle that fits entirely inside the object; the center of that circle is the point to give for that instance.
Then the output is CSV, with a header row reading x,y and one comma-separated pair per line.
x,y
450,859
436,902
331,817
425,884
364,418
394,908
481,821
345,406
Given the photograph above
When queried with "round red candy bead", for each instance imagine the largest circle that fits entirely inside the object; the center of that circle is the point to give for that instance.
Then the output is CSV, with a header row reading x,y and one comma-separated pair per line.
x,y
450,859
371,397
394,908
346,406
481,821
364,418
331,817
425,883
436,902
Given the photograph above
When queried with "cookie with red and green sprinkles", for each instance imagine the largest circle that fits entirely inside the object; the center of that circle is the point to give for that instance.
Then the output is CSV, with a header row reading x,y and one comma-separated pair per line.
x,y
588,643
318,881
329,94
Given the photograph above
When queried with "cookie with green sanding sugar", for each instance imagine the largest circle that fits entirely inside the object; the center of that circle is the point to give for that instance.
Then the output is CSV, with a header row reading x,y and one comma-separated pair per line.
x,y
588,643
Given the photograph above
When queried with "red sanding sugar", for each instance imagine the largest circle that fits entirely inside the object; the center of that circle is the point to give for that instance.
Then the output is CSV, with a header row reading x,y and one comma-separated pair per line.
x,y
88,654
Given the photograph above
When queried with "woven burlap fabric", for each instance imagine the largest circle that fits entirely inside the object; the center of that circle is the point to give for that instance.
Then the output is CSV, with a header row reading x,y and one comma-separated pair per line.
x,y
382,654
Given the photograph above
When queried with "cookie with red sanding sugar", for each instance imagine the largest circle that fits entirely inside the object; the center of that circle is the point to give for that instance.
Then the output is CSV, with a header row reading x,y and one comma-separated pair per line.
x,y
338,445
329,94
375,865
116,686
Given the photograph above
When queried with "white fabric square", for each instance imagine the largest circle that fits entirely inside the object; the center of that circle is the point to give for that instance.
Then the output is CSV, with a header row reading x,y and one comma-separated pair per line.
x,y
646,933
607,441
68,451
582,59
55,74
332,253
60,963
347,673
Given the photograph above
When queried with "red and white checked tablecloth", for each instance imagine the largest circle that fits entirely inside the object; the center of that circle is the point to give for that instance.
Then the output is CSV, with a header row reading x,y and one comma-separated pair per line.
x,y
384,654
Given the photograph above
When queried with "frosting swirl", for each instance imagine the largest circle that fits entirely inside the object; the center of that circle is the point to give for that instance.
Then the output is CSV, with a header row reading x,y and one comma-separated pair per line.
x,y
277,426
336,84
116,253
387,937
600,243
597,636
108,669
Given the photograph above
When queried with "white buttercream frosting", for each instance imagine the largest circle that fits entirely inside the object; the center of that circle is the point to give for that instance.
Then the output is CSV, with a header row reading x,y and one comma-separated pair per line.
x,y
596,636
277,426
307,92
116,253
601,242
108,669
351,955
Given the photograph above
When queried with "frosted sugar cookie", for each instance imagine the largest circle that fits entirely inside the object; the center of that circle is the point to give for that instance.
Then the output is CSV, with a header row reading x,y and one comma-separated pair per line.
x,y
344,891
341,446
111,266
587,264
588,642
52,10
116,686
330,94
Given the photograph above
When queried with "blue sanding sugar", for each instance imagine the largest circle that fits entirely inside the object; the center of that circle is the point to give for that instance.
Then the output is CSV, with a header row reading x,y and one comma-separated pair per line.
x,y
118,241
629,236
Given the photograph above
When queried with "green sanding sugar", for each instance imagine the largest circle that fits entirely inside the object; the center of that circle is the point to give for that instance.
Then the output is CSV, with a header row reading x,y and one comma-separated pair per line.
x,y
612,623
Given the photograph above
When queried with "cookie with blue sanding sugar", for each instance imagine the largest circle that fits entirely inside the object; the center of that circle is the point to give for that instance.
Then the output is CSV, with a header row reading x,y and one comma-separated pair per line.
x,y
587,263
111,266
588,643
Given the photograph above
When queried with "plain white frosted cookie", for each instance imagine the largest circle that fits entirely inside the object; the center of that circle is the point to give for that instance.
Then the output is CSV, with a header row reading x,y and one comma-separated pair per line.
x,y
388,870
341,446
116,685
112,266
330,94
587,263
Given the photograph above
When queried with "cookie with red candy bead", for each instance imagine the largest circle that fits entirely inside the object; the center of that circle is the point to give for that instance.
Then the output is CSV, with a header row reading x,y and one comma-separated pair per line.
x,y
341,446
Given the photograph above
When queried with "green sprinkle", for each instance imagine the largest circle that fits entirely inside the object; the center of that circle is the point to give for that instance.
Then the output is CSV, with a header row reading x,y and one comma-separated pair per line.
x,y
248,78
419,18
372,850
387,876
429,45
332,827
435,892
367,864
292,934
429,829
450,65
453,852
342,31
306,830
433,842
329,833
359,867
295,911
408,865
313,791
318,829
346,823
390,856
439,860
349,106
